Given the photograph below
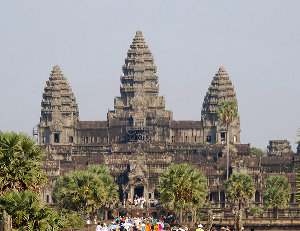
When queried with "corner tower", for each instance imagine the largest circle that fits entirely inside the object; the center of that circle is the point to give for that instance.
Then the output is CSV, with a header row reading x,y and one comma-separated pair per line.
x,y
59,111
221,89
139,107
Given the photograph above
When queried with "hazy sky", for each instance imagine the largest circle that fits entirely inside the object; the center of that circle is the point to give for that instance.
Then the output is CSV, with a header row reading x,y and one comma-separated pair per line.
x,y
257,41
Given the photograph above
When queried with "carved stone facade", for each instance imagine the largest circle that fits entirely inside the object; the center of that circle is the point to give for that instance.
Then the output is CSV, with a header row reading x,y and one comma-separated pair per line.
x,y
279,147
59,114
221,89
140,139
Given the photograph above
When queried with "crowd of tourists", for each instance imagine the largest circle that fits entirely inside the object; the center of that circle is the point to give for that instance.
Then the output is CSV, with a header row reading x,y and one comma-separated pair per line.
x,y
148,224
133,224
139,201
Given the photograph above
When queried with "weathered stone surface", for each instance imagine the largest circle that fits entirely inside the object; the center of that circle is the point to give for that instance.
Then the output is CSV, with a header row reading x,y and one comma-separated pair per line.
x,y
59,111
279,147
221,89
140,139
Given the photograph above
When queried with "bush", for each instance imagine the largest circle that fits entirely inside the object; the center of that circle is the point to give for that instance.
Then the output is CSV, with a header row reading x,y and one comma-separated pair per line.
x,y
256,211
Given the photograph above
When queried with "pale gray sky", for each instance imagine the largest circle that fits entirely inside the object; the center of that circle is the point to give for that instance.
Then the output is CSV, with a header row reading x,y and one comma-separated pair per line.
x,y
257,41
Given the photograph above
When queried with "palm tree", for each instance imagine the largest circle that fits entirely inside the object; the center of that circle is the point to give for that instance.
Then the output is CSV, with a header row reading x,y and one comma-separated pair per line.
x,y
227,112
182,187
111,188
78,191
239,190
28,213
72,220
298,185
86,191
20,163
277,193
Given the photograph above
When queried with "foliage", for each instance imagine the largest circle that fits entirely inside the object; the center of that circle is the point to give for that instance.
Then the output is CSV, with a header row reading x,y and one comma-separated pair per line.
x,y
28,213
256,152
227,112
86,191
256,211
277,192
79,191
20,163
182,187
71,219
239,190
298,186
111,188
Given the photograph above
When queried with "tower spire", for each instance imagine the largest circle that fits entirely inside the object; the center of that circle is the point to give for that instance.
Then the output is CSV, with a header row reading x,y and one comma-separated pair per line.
x,y
59,110
139,40
139,86
139,77
56,73
220,89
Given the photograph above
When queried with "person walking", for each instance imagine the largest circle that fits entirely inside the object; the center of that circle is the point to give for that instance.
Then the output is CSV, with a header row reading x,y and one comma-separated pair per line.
x,y
148,227
98,227
200,228
160,226
143,227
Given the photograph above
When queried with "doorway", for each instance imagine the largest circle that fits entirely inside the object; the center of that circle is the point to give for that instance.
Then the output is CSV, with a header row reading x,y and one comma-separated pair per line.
x,y
139,191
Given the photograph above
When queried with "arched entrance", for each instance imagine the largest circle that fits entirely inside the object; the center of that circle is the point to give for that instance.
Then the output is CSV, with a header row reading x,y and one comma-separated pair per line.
x,y
138,191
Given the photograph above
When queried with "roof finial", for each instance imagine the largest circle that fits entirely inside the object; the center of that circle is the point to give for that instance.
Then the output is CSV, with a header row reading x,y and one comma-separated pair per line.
x,y
222,67
139,33
56,72
56,68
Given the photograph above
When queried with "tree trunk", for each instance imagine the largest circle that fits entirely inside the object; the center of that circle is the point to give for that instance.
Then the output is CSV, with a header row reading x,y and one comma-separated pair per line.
x,y
6,221
238,220
227,153
180,216
193,216
209,220
105,214
275,211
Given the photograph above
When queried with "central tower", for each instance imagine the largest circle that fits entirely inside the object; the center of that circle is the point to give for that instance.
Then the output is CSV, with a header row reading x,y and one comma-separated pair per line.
x,y
139,108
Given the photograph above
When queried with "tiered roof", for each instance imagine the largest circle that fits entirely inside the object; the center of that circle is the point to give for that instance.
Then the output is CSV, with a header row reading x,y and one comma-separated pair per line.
x,y
139,70
221,89
139,85
58,95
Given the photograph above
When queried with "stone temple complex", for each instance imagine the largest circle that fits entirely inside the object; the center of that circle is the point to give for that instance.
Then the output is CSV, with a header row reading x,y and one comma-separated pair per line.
x,y
139,139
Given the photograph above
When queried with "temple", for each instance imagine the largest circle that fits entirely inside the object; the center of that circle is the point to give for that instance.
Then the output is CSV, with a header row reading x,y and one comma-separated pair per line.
x,y
140,139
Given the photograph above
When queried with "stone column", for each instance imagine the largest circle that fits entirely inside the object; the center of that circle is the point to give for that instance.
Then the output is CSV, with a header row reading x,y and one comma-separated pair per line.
x,y
131,193
146,196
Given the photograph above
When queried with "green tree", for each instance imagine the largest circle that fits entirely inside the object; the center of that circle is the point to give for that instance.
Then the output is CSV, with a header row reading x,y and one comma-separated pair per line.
x,y
256,152
298,186
277,193
71,219
227,112
111,188
182,188
20,163
86,191
28,213
239,190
